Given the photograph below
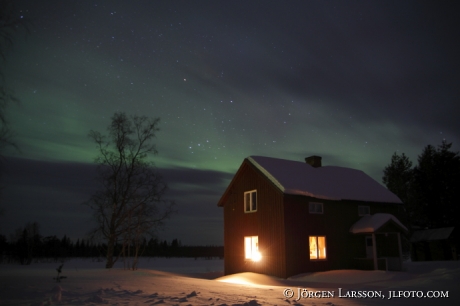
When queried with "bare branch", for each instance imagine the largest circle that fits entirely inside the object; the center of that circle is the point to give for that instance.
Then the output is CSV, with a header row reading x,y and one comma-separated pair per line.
x,y
131,203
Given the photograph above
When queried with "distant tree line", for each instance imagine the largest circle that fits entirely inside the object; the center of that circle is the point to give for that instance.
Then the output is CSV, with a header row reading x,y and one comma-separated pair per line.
x,y
27,246
162,249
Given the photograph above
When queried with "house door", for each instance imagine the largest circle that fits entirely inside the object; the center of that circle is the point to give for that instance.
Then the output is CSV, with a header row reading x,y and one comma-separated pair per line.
x,y
369,248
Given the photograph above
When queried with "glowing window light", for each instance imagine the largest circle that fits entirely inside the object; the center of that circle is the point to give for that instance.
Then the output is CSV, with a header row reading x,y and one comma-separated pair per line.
x,y
251,248
317,247
256,256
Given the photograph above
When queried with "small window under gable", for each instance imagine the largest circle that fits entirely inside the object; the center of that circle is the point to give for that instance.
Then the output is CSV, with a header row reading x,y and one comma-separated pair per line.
x,y
364,210
317,247
250,201
315,207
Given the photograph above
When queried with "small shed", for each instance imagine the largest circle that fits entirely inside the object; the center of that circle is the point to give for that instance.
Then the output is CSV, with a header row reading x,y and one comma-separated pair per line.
x,y
434,244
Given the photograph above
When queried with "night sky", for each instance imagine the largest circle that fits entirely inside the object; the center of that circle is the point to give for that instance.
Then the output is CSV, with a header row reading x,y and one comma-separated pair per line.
x,y
351,81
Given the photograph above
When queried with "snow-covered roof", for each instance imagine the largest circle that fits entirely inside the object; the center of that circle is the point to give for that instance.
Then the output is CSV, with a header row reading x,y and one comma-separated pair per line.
x,y
371,223
327,182
432,234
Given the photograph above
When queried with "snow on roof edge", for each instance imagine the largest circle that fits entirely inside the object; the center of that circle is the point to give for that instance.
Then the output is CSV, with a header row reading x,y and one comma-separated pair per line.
x,y
432,234
371,223
266,173
317,179
306,193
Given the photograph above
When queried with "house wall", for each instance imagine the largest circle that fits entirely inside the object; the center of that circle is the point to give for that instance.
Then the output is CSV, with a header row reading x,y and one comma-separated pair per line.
x,y
342,247
283,225
267,223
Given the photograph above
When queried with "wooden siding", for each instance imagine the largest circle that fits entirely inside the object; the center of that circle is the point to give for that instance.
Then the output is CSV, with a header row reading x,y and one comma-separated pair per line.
x,y
266,223
335,222
283,225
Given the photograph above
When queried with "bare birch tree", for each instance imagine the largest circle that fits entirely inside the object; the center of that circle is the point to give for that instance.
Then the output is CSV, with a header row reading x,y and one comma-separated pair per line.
x,y
130,203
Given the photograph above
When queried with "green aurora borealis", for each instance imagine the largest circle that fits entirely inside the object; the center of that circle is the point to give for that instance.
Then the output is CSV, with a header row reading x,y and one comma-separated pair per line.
x,y
352,82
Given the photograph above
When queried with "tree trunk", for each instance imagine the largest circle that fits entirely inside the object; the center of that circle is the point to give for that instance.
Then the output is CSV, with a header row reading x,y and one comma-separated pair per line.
x,y
110,250
136,255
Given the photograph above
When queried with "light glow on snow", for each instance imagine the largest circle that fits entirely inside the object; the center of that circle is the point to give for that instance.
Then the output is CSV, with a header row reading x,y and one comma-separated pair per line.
x,y
189,281
236,279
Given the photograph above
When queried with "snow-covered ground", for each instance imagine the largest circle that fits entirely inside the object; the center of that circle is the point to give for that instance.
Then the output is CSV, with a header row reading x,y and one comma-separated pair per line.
x,y
183,281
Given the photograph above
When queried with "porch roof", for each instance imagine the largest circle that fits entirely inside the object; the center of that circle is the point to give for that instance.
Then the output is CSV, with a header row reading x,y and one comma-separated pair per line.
x,y
372,223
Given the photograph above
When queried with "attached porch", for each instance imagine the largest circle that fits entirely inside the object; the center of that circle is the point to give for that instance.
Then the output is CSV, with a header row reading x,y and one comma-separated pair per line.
x,y
381,238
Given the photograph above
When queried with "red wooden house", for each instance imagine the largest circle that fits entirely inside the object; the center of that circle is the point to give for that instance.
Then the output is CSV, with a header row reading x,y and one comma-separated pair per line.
x,y
284,217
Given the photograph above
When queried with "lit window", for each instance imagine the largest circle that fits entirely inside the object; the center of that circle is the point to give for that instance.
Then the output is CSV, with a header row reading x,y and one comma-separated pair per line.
x,y
251,248
315,208
317,247
250,201
364,210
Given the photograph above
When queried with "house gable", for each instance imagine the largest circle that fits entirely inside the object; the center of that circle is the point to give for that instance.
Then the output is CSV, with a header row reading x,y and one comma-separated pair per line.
x,y
241,226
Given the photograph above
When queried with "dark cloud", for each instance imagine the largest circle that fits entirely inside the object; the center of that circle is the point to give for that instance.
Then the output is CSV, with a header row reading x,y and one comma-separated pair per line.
x,y
352,81
209,178
54,193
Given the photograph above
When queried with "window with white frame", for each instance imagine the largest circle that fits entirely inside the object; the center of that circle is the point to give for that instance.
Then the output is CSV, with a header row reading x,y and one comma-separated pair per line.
x,y
364,210
250,201
317,247
251,248
315,208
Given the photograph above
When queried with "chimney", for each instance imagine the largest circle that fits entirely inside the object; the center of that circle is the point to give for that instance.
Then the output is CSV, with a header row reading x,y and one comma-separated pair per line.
x,y
314,161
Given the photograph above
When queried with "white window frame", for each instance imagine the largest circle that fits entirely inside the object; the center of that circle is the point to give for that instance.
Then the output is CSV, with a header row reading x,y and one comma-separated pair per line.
x,y
364,207
318,253
315,208
252,194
